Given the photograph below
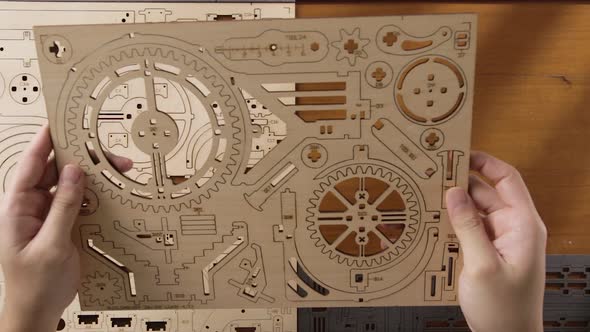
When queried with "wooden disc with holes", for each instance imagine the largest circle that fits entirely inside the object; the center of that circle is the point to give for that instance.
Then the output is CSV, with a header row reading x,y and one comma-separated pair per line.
x,y
430,90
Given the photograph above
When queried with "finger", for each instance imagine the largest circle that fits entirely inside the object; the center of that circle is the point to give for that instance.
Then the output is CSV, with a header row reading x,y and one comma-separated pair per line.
x,y
29,204
470,229
121,164
32,163
65,206
506,179
50,175
484,196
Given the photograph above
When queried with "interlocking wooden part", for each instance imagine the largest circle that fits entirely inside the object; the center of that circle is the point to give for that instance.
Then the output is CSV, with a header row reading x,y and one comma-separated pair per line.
x,y
276,163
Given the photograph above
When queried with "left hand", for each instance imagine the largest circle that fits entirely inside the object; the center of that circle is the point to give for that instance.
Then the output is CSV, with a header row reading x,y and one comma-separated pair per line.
x,y
40,262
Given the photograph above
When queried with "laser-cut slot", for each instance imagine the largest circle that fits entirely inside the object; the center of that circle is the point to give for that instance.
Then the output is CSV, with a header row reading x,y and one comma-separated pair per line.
x,y
156,325
450,272
324,115
245,329
297,288
413,45
92,152
433,285
224,17
121,322
298,269
88,319
320,100
100,87
321,86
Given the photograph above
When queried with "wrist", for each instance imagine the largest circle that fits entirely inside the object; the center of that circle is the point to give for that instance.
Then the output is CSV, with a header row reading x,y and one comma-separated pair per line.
x,y
13,319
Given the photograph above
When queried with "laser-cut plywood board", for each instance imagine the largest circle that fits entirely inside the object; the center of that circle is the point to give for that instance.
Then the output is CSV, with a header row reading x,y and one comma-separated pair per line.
x,y
276,163
22,109
21,118
204,320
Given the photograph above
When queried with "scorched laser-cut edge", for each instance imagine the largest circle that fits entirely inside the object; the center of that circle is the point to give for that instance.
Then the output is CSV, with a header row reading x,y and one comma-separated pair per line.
x,y
312,174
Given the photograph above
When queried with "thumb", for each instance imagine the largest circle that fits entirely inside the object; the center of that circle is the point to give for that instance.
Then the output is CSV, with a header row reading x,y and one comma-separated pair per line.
x,y
65,206
469,227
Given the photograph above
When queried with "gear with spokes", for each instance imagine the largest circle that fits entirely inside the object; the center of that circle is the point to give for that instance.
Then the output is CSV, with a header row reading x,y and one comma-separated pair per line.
x,y
101,288
167,110
364,215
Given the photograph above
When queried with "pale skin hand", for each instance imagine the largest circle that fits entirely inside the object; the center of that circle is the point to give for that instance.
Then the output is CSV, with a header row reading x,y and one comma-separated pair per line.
x,y
500,288
503,240
40,262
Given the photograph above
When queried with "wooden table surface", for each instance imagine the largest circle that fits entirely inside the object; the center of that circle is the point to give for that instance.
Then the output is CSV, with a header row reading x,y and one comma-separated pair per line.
x,y
532,99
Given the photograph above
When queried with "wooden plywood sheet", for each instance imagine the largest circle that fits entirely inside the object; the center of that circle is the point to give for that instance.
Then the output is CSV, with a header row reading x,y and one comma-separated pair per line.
x,y
204,320
20,119
536,94
276,163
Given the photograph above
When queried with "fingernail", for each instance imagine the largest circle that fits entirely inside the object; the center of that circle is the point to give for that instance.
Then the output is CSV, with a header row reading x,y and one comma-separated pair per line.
x,y
70,175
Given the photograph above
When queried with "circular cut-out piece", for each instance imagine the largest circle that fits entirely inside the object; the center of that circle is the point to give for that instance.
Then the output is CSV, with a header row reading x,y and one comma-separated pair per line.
x,y
166,111
314,155
432,139
379,74
430,90
366,215
154,131
56,49
25,89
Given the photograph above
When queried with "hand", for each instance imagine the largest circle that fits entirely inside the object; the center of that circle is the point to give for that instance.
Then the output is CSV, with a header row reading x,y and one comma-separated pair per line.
x,y
503,240
40,262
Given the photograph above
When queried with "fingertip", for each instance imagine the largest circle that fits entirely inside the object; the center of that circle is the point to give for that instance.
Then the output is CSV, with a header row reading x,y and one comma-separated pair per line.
x,y
128,164
455,197
70,175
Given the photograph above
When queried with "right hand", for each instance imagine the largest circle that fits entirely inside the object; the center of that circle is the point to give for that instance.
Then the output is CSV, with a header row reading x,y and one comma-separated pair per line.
x,y
503,240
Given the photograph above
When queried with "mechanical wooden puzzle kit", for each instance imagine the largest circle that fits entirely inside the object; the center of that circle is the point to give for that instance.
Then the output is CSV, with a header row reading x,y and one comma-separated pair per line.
x,y
285,163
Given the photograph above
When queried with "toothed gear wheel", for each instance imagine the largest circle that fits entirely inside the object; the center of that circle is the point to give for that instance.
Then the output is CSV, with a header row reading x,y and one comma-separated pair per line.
x,y
101,289
163,105
364,215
